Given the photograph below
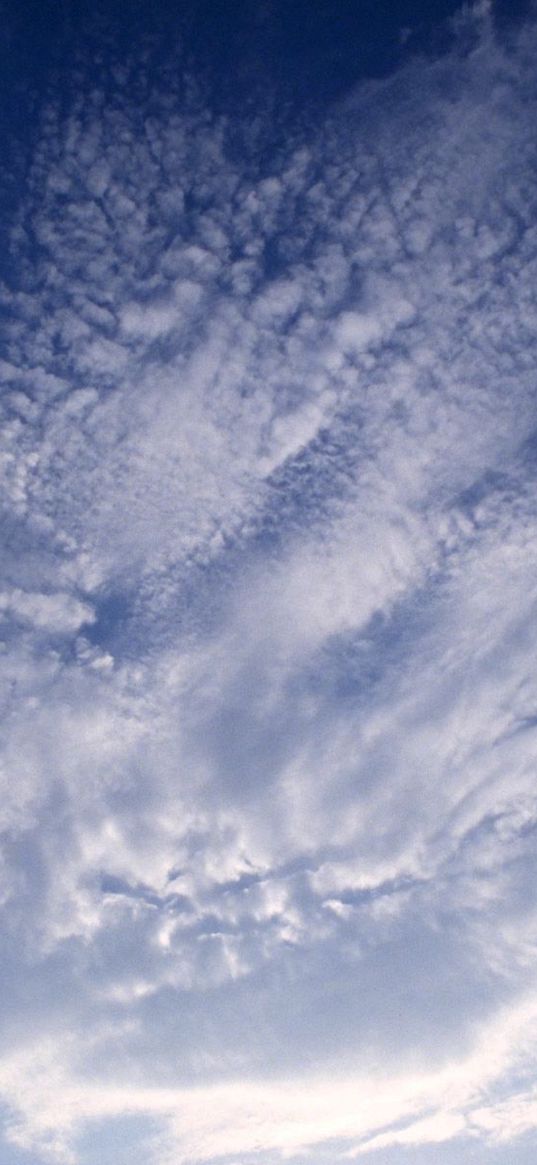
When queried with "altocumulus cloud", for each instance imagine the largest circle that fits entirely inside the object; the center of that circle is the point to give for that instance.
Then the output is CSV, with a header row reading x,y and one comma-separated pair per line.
x,y
268,620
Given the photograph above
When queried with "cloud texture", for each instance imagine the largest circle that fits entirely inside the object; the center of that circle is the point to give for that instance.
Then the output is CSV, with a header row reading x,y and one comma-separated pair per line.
x,y
268,617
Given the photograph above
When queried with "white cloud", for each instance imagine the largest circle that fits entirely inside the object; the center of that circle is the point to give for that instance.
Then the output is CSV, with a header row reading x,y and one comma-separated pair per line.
x,y
268,667
56,613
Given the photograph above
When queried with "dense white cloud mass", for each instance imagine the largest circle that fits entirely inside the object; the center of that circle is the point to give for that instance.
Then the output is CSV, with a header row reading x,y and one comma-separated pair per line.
x,y
268,618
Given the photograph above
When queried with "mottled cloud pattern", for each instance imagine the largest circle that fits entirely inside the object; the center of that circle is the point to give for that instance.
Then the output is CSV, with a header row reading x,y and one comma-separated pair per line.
x,y
268,605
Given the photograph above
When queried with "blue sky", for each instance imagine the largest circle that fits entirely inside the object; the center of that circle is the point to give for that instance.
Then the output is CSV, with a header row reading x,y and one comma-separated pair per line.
x,y
268,594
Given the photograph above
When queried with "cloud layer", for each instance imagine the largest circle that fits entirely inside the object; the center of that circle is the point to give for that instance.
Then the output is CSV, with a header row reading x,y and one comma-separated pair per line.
x,y
269,698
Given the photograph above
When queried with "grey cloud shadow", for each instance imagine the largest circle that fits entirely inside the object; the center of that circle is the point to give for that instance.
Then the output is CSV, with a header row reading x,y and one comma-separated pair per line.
x,y
417,1000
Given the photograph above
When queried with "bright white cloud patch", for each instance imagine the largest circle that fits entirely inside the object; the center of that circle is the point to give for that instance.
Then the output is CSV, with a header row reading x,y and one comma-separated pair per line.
x,y
268,621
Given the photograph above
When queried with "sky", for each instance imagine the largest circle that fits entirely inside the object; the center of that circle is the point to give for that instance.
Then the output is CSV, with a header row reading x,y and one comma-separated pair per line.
x,y
268,602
